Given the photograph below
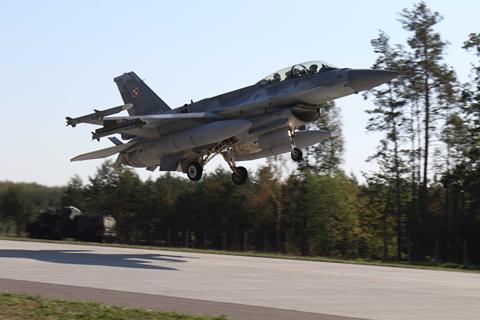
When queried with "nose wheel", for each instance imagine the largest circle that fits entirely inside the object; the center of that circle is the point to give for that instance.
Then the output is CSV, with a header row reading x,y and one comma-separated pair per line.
x,y
194,171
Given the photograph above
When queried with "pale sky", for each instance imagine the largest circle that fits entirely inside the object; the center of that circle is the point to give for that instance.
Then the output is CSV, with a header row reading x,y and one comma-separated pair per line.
x,y
58,58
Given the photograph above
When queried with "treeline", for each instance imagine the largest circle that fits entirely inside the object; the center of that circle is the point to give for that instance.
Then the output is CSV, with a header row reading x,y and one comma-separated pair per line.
x,y
309,214
422,204
21,202
429,158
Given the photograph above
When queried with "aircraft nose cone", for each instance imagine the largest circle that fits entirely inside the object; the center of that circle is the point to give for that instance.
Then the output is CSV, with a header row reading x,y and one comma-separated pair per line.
x,y
364,79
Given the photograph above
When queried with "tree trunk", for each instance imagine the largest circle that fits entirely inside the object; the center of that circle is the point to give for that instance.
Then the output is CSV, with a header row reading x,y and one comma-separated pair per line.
x,y
445,224
385,236
397,187
425,205
397,203
277,225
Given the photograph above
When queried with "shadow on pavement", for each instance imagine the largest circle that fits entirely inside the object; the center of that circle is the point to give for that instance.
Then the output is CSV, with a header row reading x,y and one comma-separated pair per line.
x,y
87,257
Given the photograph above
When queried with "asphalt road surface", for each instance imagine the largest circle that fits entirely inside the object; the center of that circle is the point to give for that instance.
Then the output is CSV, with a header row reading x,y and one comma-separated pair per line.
x,y
240,287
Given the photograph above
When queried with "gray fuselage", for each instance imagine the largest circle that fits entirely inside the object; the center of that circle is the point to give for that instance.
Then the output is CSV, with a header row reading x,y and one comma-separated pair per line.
x,y
271,107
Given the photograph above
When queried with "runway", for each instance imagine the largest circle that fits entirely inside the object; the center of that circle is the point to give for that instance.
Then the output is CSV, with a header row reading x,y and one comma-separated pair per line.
x,y
241,287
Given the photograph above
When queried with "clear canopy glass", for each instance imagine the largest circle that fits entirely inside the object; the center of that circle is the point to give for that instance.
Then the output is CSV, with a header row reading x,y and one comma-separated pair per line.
x,y
297,71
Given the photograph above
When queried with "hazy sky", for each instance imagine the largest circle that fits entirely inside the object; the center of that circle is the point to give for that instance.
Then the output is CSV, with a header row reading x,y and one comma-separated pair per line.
x,y
58,58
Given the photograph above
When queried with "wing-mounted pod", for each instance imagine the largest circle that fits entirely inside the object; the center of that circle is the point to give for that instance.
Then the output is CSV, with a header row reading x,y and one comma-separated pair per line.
x,y
97,116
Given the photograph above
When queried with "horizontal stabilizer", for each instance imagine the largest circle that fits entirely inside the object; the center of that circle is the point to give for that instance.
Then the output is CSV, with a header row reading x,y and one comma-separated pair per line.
x,y
103,153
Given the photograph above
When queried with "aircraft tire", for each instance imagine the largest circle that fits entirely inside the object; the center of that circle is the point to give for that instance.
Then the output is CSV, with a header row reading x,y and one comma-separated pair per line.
x,y
296,155
194,171
240,176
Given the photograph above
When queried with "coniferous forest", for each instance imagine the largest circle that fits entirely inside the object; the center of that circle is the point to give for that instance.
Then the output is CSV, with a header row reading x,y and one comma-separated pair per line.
x,y
421,204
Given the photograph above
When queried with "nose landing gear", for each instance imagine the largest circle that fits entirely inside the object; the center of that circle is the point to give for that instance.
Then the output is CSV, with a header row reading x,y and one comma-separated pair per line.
x,y
296,153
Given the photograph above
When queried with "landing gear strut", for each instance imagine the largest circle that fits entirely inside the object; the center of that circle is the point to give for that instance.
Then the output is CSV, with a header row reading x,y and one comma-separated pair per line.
x,y
195,168
194,171
296,153
240,174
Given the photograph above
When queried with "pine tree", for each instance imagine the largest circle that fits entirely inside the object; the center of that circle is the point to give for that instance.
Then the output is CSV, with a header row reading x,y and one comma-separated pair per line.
x,y
326,156
471,152
432,81
388,117
471,98
74,194
15,207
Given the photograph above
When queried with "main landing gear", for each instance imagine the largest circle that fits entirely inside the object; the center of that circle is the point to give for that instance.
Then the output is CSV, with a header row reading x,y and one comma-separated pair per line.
x,y
194,171
239,174
296,153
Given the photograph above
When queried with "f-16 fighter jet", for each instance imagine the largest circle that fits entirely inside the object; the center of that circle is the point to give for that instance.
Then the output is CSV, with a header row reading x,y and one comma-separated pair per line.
x,y
253,122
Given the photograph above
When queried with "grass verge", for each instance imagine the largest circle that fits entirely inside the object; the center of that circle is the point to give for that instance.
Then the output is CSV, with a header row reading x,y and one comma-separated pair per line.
x,y
398,264
20,307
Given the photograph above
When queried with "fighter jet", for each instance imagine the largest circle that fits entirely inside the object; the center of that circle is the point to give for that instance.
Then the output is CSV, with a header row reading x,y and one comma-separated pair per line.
x,y
264,119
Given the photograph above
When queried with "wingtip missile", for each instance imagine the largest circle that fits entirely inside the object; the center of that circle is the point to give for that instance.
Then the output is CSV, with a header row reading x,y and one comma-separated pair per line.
x,y
97,115
70,122
95,137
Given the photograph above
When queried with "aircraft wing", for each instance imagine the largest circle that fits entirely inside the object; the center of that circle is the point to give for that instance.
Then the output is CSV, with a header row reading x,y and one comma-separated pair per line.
x,y
103,153
154,120
160,122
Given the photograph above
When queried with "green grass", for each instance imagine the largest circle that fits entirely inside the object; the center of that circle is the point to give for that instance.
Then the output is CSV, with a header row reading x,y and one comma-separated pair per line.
x,y
25,307
449,266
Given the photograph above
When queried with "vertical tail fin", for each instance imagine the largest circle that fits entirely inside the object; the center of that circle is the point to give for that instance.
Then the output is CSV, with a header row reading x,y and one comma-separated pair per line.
x,y
136,92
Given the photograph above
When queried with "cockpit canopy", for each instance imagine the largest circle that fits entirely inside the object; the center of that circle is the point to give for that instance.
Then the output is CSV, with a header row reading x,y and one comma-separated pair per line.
x,y
297,71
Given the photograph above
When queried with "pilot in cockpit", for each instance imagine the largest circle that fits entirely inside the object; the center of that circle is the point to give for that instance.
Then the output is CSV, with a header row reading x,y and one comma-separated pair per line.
x,y
325,68
293,73
313,68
